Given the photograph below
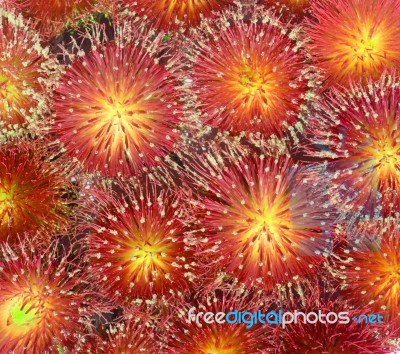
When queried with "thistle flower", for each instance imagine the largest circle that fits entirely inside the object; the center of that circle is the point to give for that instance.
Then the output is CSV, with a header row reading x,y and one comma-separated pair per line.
x,y
369,268
32,189
50,17
177,14
115,109
137,242
248,75
263,221
358,131
24,76
42,301
186,337
354,39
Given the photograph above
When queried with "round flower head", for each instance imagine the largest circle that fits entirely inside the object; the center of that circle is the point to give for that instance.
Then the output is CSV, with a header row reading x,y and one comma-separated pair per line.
x,y
359,129
41,304
51,16
115,109
32,191
137,243
176,14
248,76
264,223
370,269
24,71
185,336
354,39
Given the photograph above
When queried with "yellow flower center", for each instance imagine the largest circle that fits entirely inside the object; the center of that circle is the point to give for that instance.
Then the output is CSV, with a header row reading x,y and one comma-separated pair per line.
x,y
212,348
5,195
22,314
148,259
365,47
386,152
251,81
265,223
7,89
383,154
147,255
6,202
221,343
116,112
390,282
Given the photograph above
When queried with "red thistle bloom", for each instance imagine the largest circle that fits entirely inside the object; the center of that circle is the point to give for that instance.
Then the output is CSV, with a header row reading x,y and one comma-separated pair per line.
x,y
249,76
31,192
264,222
370,269
355,39
175,14
137,241
204,338
360,130
41,306
115,109
50,17
23,72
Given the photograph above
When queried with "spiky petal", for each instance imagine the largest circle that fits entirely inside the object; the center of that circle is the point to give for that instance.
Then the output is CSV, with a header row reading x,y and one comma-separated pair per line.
x,y
50,17
249,76
115,109
137,243
264,222
32,191
370,268
354,39
24,76
42,301
176,14
358,130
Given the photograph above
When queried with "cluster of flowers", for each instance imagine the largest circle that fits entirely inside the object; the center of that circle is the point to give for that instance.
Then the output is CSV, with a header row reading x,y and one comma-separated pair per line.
x,y
163,155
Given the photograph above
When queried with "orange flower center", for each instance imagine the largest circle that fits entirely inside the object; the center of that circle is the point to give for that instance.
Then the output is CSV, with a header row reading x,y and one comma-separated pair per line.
x,y
251,81
266,220
386,153
149,258
221,342
365,47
